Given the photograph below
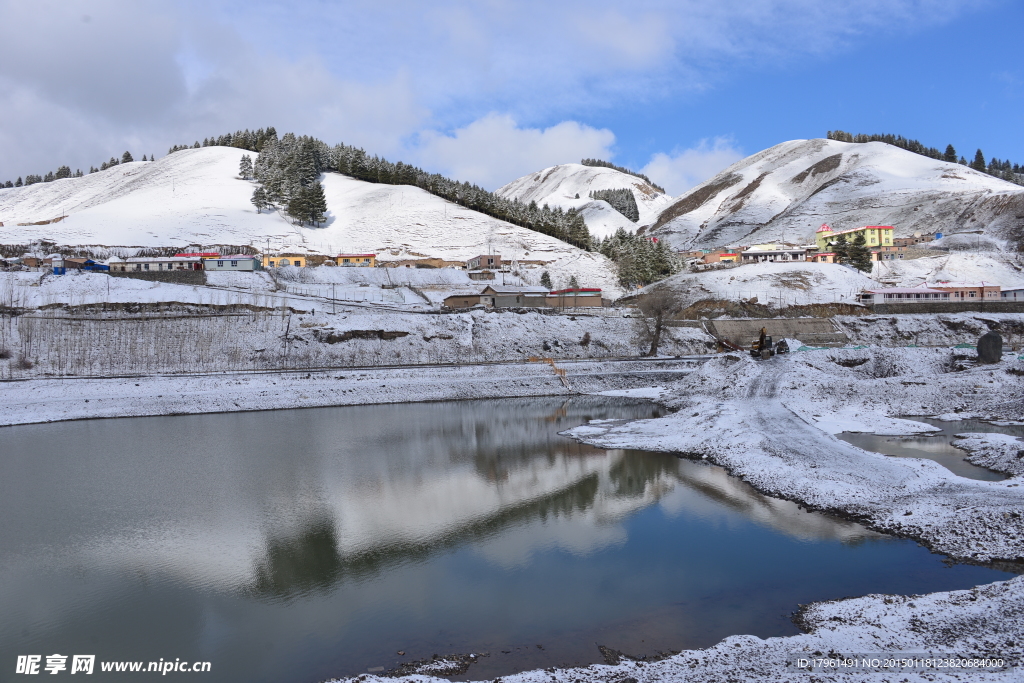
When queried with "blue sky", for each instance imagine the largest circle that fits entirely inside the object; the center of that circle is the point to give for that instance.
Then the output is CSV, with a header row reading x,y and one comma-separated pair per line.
x,y
489,91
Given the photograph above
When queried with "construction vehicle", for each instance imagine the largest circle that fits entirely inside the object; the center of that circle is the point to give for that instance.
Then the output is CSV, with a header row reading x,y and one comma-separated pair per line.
x,y
762,347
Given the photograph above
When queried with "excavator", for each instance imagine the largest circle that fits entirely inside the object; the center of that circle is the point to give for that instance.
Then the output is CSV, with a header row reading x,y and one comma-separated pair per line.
x,y
762,348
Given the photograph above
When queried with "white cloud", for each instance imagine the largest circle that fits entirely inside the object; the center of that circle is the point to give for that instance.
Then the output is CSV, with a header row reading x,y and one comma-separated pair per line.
x,y
374,74
494,150
679,171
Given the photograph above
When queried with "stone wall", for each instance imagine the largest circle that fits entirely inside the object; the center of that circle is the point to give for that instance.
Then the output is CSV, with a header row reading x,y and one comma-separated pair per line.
x,y
174,277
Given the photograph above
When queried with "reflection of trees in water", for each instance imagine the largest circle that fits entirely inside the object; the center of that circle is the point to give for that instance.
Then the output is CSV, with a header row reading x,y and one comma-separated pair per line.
x,y
310,561
634,474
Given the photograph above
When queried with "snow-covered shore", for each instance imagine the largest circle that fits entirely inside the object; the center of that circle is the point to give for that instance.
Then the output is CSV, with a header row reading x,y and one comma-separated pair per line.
x,y
772,424
51,400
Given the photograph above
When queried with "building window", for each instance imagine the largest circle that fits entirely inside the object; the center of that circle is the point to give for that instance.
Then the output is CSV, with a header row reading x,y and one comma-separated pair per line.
x,y
972,294
145,266
220,264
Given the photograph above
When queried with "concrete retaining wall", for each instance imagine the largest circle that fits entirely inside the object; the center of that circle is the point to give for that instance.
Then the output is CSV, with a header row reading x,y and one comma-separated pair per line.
x,y
951,307
812,331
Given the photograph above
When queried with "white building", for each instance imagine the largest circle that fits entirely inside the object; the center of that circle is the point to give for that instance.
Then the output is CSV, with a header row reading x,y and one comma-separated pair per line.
x,y
243,262
773,253
902,295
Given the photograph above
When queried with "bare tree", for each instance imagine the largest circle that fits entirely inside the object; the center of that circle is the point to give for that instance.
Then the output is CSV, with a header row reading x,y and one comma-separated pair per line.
x,y
657,306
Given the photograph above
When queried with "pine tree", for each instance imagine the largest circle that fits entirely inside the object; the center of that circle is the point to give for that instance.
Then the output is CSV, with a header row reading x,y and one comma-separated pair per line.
x,y
126,157
841,248
316,203
573,282
545,277
18,183
950,154
8,184
245,167
49,177
63,172
298,206
859,254
979,161
144,158
259,199
962,162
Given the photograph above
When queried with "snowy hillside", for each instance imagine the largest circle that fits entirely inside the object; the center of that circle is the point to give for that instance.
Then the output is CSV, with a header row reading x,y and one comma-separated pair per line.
x,y
783,284
558,186
999,267
786,192
195,197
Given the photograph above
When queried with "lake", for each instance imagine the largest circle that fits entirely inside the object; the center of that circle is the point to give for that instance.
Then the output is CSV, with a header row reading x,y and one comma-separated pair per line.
x,y
298,545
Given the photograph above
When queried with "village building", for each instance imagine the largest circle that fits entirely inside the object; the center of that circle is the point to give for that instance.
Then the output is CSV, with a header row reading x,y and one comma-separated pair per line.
x,y
481,275
463,300
154,264
892,253
580,297
486,261
513,296
826,257
284,260
773,253
902,295
874,236
970,291
422,263
918,238
356,260
1012,294
242,262
721,257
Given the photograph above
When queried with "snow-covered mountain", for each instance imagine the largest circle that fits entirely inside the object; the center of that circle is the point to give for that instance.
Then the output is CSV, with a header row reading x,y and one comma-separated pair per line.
x,y
568,186
195,197
787,191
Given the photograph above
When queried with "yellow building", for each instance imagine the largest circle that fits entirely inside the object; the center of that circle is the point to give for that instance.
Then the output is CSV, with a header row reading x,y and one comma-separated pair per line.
x,y
364,260
282,260
874,236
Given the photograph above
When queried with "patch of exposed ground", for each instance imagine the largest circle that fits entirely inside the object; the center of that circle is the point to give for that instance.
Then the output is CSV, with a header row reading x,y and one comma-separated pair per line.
x,y
826,165
695,199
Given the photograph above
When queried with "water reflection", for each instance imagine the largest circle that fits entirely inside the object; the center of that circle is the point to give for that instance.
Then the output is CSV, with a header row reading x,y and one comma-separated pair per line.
x,y
298,545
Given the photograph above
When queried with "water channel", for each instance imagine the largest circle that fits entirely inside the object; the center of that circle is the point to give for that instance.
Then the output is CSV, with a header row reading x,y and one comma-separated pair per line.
x,y
298,545
938,446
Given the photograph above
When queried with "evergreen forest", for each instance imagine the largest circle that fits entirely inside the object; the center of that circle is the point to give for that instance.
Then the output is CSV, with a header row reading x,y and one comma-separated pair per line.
x,y
622,200
1004,170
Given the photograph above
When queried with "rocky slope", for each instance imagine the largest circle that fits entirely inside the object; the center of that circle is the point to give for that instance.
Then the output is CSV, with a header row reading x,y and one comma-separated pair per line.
x,y
786,192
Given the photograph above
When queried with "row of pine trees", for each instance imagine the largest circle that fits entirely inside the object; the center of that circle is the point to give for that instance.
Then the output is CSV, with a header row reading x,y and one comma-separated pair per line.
x,y
65,171
1004,170
600,163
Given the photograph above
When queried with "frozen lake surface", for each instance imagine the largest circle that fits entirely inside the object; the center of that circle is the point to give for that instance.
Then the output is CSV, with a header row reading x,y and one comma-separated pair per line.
x,y
297,545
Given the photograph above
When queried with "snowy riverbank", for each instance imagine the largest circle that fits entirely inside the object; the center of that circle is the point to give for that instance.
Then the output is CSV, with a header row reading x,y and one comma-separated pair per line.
x,y
51,400
772,424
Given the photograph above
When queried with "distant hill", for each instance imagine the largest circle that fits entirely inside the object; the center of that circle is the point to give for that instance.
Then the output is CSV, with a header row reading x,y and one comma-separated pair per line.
x,y
560,185
194,196
788,191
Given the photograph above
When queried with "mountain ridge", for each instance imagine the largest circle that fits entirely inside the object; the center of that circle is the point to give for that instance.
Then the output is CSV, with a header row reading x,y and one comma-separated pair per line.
x,y
786,191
